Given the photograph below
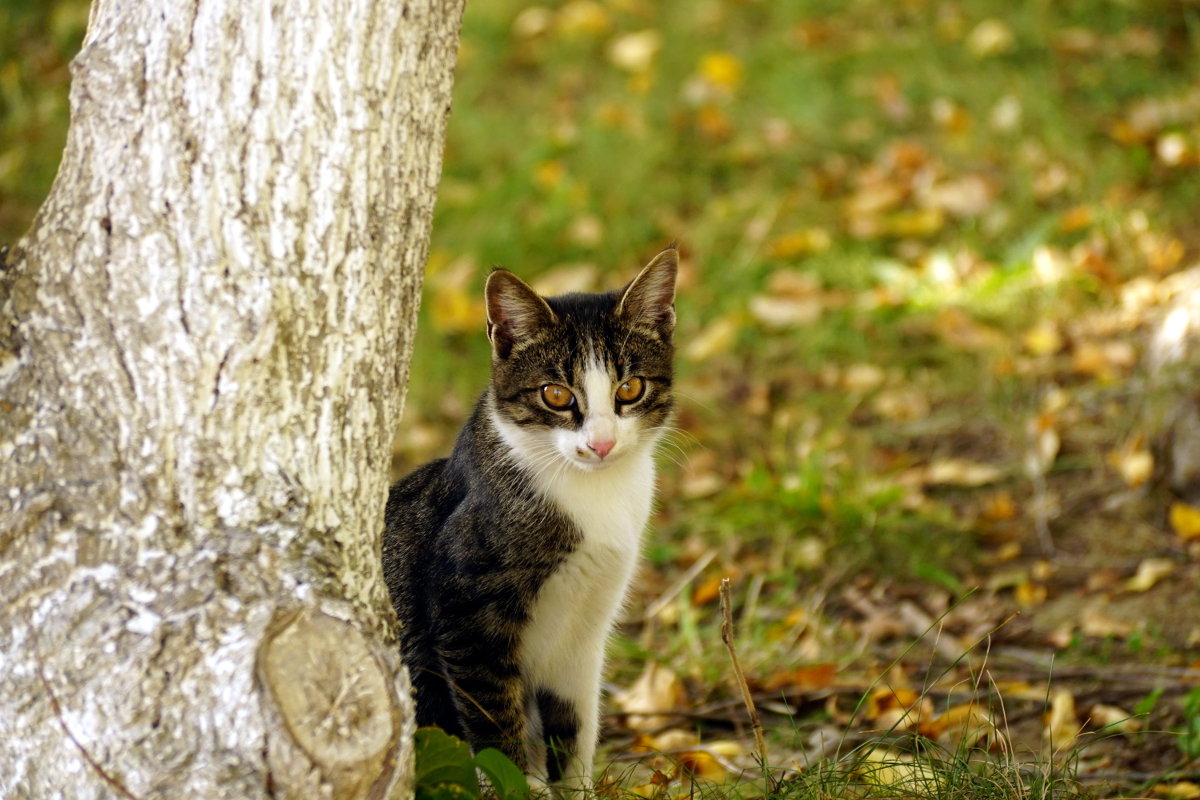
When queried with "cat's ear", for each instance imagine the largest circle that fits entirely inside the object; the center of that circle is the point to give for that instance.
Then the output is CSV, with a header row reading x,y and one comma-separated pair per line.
x,y
649,299
513,311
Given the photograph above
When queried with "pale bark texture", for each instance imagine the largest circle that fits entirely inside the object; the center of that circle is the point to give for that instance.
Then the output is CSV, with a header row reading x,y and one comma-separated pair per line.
x,y
204,343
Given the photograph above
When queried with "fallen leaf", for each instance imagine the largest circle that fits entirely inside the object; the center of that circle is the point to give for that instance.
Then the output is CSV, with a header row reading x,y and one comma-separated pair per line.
x,y
1095,622
702,764
566,278
1044,444
817,676
785,312
1149,572
961,472
635,52
999,507
1029,594
897,708
714,339
990,37
1182,790
964,724
583,18
901,772
1114,719
1062,727
1043,339
722,70
707,591
656,691
799,243
1185,519
860,378
1133,460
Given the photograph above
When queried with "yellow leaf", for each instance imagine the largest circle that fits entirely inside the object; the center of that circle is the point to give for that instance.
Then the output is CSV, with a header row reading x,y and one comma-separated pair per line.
x,y
722,70
583,18
549,174
966,723
800,243
1029,594
1133,461
702,764
1062,727
1183,790
1043,339
1149,572
1185,519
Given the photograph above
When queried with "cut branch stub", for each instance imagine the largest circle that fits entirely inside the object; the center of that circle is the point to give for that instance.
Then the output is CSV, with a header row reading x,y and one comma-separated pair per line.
x,y
336,702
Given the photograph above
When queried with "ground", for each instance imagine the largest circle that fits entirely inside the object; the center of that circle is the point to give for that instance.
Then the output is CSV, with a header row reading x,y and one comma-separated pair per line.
x,y
938,317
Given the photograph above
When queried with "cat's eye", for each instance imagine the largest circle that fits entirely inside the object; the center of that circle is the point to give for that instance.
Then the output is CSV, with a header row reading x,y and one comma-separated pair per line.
x,y
557,397
631,390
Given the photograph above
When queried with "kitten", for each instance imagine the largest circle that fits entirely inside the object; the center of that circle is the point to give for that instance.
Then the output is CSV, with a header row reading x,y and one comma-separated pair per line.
x,y
508,561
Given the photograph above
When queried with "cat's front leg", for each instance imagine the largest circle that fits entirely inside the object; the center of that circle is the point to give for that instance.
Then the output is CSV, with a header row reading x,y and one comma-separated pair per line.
x,y
489,694
569,730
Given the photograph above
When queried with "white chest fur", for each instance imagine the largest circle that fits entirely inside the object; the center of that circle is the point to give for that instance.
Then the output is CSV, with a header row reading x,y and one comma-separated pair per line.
x,y
578,603
562,646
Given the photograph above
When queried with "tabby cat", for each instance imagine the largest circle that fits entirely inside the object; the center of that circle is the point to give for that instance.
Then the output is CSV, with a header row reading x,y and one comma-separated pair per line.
x,y
508,561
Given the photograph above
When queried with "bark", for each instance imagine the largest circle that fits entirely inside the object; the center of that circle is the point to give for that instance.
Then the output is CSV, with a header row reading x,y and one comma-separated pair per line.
x,y
204,342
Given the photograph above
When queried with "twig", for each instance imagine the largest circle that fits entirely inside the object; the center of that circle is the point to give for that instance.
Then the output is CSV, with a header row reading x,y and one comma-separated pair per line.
x,y
727,638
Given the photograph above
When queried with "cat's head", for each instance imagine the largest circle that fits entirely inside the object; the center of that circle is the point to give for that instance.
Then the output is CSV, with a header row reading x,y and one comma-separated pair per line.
x,y
583,379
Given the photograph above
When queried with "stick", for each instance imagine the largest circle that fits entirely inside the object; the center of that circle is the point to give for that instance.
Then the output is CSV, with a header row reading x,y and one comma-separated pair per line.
x,y
727,638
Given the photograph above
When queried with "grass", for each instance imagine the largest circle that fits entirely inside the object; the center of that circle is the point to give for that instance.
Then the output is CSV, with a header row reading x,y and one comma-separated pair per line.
x,y
915,239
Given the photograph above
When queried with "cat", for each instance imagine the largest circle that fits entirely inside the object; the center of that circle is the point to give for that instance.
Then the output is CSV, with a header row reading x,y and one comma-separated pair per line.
x,y
508,562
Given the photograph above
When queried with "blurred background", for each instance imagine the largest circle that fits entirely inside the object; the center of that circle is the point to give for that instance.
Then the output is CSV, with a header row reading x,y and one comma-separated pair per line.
x,y
936,317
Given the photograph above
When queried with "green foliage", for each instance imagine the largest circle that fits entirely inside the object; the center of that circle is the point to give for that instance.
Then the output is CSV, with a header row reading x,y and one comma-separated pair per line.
x,y
1189,735
446,770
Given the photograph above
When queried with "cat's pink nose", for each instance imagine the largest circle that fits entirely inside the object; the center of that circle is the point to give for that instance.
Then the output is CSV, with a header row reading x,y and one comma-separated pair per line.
x,y
601,448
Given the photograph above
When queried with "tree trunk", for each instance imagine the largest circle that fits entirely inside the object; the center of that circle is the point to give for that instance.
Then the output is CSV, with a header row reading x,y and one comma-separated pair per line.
x,y
204,343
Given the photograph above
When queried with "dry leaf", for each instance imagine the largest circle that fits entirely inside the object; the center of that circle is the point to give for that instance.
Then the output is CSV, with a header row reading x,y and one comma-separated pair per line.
x,y
1043,339
1149,572
1182,790
960,472
964,724
714,339
1044,444
817,676
1095,622
702,764
635,52
900,771
785,312
1133,461
892,708
999,507
989,38
657,690
1029,594
1062,727
1114,719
